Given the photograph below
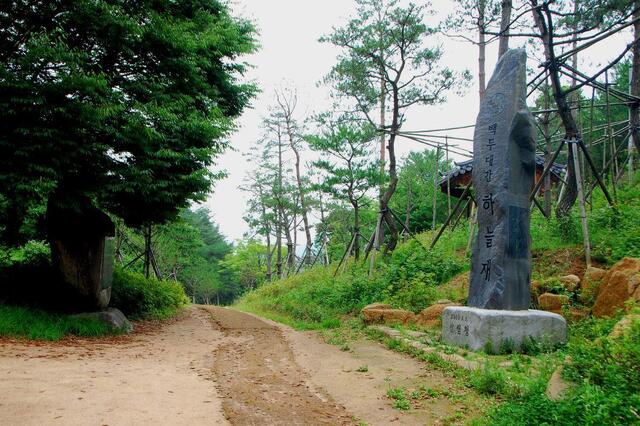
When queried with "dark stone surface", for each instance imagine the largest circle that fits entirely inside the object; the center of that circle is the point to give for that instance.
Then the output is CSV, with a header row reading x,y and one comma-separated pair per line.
x,y
81,237
503,177
112,317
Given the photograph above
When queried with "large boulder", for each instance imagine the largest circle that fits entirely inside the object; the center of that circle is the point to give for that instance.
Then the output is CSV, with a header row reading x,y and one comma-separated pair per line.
x,y
432,315
620,284
570,282
377,306
111,317
558,387
386,315
623,326
552,302
559,304
590,284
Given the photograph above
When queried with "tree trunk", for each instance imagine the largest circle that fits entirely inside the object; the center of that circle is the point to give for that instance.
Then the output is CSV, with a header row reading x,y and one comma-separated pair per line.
x,y
634,109
279,214
356,229
323,226
15,219
393,175
583,212
303,204
545,26
482,87
435,189
505,20
147,250
547,156
290,245
407,213
269,277
380,232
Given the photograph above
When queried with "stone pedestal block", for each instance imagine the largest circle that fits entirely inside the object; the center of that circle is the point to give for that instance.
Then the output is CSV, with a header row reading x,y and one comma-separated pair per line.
x,y
491,330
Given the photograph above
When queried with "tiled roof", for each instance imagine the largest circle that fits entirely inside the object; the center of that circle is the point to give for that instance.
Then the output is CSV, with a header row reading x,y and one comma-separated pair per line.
x,y
465,167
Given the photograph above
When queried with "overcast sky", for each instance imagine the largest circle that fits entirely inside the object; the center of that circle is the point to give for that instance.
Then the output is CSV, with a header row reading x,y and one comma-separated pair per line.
x,y
290,55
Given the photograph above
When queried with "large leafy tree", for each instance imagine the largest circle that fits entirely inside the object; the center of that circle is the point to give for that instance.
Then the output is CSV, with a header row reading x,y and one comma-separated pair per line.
x,y
126,102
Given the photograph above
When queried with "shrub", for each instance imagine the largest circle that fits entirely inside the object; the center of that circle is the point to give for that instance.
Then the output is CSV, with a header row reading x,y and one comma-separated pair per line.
x,y
18,321
138,297
489,380
32,254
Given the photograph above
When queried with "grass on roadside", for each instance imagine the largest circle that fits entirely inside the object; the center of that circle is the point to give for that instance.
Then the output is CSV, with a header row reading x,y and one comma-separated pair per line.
x,y
35,324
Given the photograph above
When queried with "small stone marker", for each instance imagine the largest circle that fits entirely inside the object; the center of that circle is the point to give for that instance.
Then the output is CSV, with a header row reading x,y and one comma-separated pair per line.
x,y
503,177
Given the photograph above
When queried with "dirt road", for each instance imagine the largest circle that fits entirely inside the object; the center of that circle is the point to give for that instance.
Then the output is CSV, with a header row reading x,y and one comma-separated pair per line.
x,y
211,366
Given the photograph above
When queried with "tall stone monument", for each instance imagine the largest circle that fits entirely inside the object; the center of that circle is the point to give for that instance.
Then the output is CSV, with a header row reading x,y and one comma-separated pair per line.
x,y
503,177
81,238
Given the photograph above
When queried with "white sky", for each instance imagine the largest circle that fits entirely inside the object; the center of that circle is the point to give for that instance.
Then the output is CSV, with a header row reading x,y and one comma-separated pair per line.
x,y
290,55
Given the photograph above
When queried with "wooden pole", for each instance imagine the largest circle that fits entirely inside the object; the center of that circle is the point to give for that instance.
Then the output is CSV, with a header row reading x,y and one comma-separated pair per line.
x,y
446,143
593,94
455,210
583,212
630,146
375,245
472,227
435,187
346,253
547,149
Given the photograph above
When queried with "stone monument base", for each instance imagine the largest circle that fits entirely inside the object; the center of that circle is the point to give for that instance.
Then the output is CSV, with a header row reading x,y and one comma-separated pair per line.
x,y
495,331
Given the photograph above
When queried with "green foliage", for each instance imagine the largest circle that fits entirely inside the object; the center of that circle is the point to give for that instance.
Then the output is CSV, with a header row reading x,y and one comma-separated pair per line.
x,y
391,37
128,103
416,190
605,371
408,278
138,297
244,268
32,253
489,380
399,397
351,173
189,250
36,324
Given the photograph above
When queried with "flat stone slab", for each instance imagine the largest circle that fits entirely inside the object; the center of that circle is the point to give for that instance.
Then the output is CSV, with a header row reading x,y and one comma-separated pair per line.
x,y
491,330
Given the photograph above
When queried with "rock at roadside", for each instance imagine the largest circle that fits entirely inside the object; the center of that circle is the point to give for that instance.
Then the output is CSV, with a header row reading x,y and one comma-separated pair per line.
x,y
590,284
111,317
623,326
490,329
570,282
620,283
557,387
552,302
431,316
377,306
387,316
